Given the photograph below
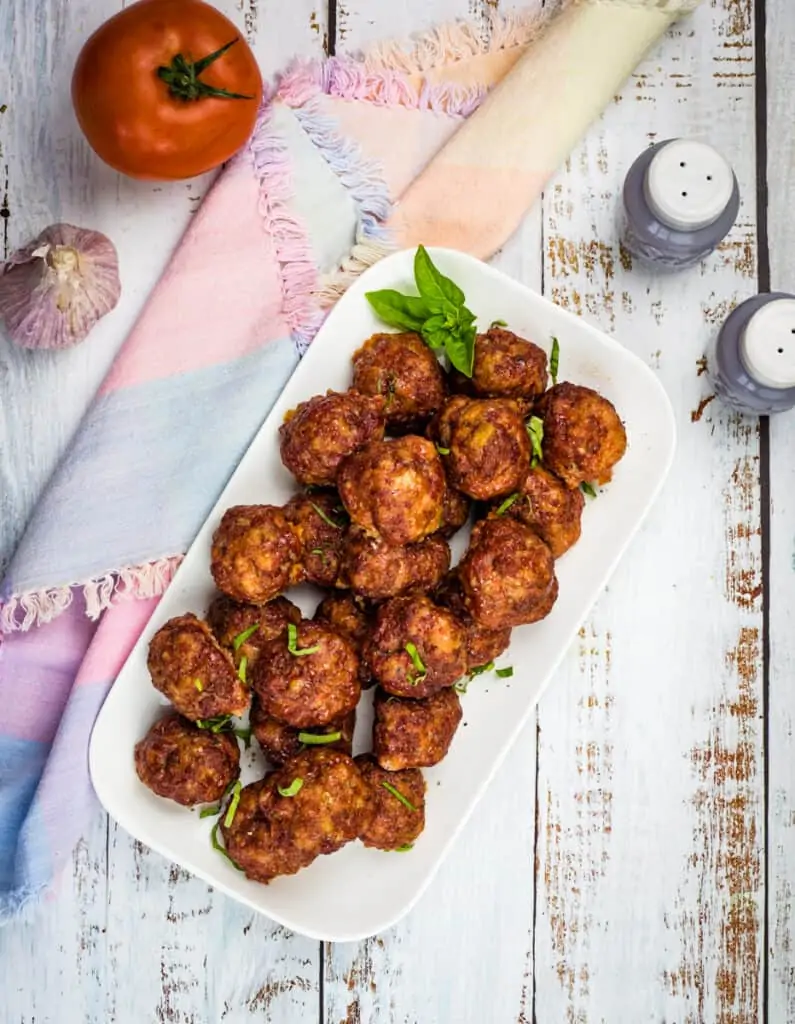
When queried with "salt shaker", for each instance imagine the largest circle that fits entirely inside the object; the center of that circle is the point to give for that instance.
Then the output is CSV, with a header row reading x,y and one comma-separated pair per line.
x,y
752,360
681,199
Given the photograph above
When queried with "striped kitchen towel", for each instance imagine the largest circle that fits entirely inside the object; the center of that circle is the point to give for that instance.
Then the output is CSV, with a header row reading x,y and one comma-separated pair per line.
x,y
338,172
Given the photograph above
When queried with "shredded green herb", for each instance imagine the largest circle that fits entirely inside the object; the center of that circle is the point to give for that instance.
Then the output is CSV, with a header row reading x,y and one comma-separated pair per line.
x,y
217,846
504,673
232,810
535,428
321,552
210,812
480,669
324,517
588,489
461,687
221,723
442,451
398,795
507,503
241,670
241,638
292,641
498,323
315,739
404,849
244,735
554,361
291,790
417,662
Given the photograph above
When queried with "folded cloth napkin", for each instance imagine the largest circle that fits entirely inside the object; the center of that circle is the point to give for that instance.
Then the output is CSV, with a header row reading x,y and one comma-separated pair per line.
x,y
337,173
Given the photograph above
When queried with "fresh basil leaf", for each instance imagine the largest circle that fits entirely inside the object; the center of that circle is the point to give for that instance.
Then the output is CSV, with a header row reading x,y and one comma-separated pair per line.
x,y
434,332
460,349
406,312
432,285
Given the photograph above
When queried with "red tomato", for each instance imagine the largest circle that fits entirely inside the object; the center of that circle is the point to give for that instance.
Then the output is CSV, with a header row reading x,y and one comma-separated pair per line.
x,y
166,89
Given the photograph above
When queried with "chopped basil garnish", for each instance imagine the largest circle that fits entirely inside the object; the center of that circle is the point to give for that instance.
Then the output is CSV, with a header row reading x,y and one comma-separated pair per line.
x,y
398,795
314,739
241,670
404,849
221,723
292,789
217,846
504,673
198,684
554,361
588,489
507,503
462,686
324,517
232,811
210,812
320,552
442,451
417,662
241,638
498,323
480,669
535,428
244,735
292,641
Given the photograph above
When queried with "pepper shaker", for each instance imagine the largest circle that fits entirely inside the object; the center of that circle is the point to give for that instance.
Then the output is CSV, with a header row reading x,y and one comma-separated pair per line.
x,y
680,200
752,360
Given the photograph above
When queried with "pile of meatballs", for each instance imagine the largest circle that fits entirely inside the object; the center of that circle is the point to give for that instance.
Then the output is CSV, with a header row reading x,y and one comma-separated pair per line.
x,y
389,471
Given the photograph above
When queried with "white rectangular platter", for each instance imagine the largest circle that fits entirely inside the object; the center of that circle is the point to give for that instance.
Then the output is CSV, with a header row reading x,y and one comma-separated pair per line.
x,y
357,892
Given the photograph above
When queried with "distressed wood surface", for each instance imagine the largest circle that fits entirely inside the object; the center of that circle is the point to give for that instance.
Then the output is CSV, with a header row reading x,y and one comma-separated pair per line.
x,y
614,871
781,703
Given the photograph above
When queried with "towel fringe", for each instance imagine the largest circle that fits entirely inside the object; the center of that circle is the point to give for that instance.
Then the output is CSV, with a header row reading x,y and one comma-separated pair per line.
x,y
133,583
364,254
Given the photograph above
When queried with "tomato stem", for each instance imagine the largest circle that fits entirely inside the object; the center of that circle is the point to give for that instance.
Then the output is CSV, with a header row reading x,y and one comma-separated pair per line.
x,y
182,78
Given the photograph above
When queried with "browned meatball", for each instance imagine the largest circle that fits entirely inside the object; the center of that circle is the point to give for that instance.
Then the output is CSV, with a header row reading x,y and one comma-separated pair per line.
x,y
550,508
483,645
406,372
178,760
416,647
189,667
583,435
316,436
280,741
488,443
456,511
507,366
312,679
395,489
378,570
243,629
348,615
398,805
507,575
319,522
414,733
272,834
255,554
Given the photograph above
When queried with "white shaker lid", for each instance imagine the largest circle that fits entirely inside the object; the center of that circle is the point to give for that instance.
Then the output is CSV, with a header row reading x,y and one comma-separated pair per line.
x,y
767,346
688,184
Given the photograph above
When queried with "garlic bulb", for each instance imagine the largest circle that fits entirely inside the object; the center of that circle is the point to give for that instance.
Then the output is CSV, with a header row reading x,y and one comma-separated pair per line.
x,y
54,290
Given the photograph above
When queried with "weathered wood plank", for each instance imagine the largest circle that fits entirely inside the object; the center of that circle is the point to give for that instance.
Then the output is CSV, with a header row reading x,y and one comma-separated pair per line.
x,y
781,706
650,784
130,938
465,952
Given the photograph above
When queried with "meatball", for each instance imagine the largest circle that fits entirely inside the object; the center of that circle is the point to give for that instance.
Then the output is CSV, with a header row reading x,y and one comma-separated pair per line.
x,y
178,760
488,443
189,667
316,437
406,372
583,435
416,647
275,834
506,366
507,575
280,742
395,489
255,554
311,679
397,800
349,616
455,511
378,570
319,522
483,645
243,629
550,508
414,733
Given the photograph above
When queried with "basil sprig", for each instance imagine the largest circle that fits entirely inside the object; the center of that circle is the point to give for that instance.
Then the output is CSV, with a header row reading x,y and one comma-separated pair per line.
x,y
438,313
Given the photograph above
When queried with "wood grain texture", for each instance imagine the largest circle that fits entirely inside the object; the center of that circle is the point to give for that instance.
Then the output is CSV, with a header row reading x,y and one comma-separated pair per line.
x,y
130,938
650,792
781,704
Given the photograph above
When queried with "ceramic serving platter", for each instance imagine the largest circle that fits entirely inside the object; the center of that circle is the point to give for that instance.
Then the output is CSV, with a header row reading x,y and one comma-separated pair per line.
x,y
357,892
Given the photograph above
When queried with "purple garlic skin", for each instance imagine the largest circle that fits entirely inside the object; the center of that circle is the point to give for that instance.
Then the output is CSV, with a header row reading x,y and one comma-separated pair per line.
x,y
55,289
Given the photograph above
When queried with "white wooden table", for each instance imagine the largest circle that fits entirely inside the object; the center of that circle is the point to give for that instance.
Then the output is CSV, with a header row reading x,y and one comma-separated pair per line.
x,y
635,859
